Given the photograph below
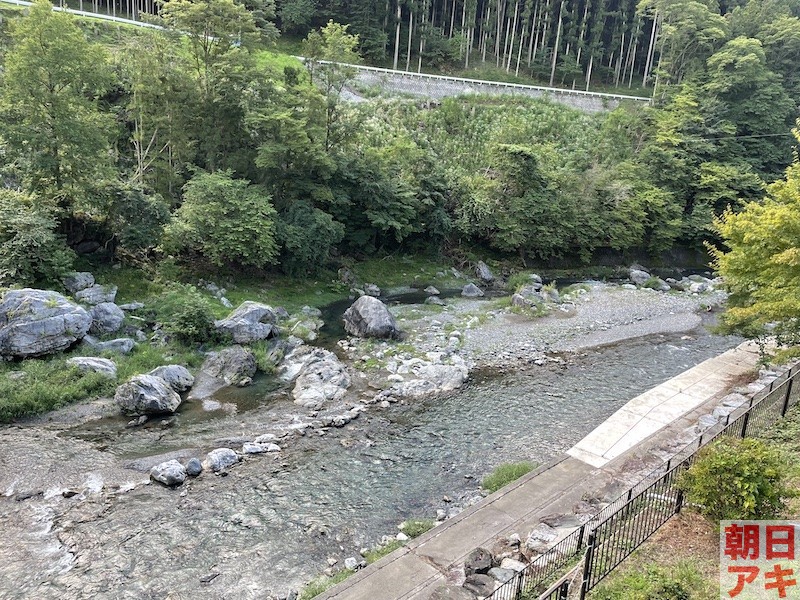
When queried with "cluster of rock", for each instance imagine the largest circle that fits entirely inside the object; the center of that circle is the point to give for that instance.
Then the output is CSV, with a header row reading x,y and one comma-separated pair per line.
x,y
694,284
173,473
482,574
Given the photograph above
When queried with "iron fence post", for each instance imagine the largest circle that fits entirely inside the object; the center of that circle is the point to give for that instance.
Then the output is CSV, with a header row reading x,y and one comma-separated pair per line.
x,y
786,398
679,502
587,565
563,593
580,538
744,423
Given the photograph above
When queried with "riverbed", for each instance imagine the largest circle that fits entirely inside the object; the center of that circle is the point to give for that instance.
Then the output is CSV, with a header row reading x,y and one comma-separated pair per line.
x,y
270,523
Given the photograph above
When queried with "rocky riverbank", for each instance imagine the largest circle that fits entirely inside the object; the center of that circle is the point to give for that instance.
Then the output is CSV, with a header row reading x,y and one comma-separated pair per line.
x,y
76,494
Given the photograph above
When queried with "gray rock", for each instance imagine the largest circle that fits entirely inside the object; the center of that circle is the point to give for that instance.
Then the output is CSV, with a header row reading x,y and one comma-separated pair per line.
x,y
656,283
734,400
431,291
234,365
258,448
220,459
119,345
320,377
97,294
484,273
306,330
250,322
265,438
552,295
351,563
532,292
146,395
38,322
178,377
282,314
131,306
369,317
370,289
478,561
77,281
638,276
502,575
471,291
444,377
170,473
107,317
434,300
91,363
520,301
540,537
451,592
194,467
483,585
699,287
512,565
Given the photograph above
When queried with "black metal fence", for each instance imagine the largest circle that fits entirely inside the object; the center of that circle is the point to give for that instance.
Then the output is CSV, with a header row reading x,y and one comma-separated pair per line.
x,y
622,526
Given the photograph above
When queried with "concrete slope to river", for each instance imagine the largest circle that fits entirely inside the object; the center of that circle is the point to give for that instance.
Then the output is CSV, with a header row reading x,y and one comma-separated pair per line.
x,y
80,519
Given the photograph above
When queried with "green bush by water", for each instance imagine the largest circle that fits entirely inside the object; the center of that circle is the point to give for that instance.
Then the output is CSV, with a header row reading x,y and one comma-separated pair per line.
x,y
505,474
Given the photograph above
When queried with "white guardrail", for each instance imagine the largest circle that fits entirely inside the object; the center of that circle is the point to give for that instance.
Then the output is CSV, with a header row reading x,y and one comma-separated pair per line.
x,y
393,72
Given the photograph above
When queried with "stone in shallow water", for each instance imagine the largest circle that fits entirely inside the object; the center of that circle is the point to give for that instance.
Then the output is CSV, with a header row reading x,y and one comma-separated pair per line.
x,y
256,448
146,395
471,291
220,459
170,473
194,467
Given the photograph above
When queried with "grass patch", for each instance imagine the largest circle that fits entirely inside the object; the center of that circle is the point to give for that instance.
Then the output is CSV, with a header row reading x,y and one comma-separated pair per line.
x,y
398,271
681,581
416,527
322,583
49,383
504,474
46,385
378,553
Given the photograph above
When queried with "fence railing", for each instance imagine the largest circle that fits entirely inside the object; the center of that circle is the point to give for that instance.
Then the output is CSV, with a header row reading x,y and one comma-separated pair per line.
x,y
617,530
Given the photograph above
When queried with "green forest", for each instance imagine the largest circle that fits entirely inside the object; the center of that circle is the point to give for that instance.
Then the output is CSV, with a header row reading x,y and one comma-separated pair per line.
x,y
202,147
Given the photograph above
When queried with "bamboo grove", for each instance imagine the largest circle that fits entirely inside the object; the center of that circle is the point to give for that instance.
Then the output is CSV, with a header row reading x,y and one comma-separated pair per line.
x,y
567,43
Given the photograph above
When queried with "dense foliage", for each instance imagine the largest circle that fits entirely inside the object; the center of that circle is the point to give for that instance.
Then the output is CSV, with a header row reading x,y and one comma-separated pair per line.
x,y
195,143
737,479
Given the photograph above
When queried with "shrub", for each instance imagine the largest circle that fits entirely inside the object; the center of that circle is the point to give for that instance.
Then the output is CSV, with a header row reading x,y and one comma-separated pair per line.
x,y
308,235
185,313
30,250
737,479
504,474
225,220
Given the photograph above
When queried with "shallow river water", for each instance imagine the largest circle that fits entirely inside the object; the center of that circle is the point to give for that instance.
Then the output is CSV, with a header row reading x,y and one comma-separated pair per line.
x,y
270,523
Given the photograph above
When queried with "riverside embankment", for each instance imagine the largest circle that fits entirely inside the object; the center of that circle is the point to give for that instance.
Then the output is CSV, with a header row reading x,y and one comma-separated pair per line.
x,y
81,519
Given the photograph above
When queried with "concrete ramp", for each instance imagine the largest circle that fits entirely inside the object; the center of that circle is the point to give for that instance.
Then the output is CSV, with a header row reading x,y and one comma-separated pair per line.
x,y
657,408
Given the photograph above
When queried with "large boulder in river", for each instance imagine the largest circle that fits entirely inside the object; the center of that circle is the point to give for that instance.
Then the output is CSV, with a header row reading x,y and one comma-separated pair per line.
x,y
39,322
250,322
234,366
369,317
177,376
321,378
146,395
107,317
